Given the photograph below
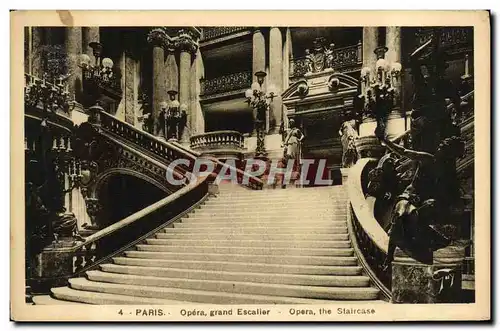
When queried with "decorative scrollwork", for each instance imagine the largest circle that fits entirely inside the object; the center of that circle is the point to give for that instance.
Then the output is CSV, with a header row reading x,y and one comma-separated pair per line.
x,y
219,31
231,82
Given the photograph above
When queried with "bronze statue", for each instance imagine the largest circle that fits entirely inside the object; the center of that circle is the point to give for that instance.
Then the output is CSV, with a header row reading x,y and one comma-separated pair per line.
x,y
348,135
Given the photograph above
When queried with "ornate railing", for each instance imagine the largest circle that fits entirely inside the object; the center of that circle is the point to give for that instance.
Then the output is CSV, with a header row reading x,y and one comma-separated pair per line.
x,y
144,141
162,149
244,178
227,83
343,59
219,31
226,139
115,239
369,239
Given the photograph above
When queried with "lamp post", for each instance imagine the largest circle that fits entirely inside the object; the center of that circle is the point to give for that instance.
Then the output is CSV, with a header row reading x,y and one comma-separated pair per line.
x,y
380,88
260,101
175,117
96,75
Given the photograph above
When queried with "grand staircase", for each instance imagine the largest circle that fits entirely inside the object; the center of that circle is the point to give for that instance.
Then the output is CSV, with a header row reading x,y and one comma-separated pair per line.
x,y
241,247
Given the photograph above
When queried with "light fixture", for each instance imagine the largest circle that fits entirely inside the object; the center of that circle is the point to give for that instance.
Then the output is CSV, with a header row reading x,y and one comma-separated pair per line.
x,y
260,101
380,87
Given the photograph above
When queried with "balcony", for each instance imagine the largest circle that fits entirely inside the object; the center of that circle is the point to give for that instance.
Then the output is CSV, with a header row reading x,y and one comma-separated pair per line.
x,y
344,60
211,33
220,144
226,85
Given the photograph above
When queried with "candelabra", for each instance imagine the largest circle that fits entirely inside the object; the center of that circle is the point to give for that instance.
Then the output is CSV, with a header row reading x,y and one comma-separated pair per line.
x,y
260,101
66,164
50,96
380,88
101,73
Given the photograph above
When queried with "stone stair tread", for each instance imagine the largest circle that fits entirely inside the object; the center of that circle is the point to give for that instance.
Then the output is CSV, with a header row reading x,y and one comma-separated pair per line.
x,y
325,292
289,236
157,246
263,267
48,300
97,298
256,277
259,242
223,297
305,259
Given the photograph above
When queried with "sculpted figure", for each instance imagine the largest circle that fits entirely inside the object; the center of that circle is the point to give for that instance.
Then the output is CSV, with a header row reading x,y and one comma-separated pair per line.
x,y
348,134
309,58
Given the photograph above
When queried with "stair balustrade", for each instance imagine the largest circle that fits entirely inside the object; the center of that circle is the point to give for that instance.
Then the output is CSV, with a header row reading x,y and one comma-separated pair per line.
x,y
224,143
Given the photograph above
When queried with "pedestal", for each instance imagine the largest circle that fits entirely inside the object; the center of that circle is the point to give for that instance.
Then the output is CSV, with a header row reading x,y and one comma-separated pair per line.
x,y
441,282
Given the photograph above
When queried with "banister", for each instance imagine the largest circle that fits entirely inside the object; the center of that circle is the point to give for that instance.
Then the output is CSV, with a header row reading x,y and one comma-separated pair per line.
x,y
370,241
364,207
137,215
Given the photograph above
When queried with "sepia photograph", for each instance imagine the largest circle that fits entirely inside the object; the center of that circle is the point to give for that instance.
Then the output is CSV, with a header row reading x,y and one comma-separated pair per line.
x,y
218,172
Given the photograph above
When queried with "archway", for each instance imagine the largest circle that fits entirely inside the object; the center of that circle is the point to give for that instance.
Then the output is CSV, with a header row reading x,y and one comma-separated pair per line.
x,y
121,195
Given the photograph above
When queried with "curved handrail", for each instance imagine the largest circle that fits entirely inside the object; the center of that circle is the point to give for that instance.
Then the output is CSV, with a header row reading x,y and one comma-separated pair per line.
x,y
138,215
364,207
215,133
370,241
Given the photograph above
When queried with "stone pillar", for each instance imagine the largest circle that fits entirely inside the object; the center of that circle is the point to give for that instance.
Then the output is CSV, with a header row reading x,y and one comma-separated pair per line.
x,y
188,48
73,45
157,37
171,70
258,53
198,121
276,75
370,42
396,122
367,144
35,45
90,34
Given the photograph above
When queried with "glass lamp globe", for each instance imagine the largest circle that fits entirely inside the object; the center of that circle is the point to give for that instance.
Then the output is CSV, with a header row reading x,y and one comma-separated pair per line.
x,y
365,71
183,107
381,64
255,86
107,63
174,103
396,67
248,93
84,60
272,90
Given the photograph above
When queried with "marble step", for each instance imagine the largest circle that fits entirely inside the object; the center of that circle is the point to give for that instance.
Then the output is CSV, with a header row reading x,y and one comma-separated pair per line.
x,y
157,245
69,295
292,218
258,230
239,266
184,294
259,243
48,300
194,223
267,278
266,236
248,258
282,290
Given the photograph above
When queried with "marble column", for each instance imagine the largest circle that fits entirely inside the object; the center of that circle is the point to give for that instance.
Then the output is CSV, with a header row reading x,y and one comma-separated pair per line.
x,y
276,76
198,121
35,46
258,52
90,34
396,123
370,42
188,48
157,37
171,70
73,45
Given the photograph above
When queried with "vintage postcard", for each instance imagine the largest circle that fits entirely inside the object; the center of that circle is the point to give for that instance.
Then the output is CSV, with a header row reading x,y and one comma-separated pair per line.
x,y
250,166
